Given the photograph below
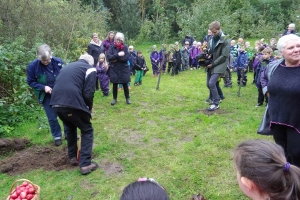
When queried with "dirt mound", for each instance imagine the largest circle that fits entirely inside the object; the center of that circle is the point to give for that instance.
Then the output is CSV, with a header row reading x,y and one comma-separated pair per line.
x,y
34,157
7,146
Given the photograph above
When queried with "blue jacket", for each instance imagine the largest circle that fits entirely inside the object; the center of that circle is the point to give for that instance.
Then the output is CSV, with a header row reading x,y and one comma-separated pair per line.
x,y
260,68
242,61
37,77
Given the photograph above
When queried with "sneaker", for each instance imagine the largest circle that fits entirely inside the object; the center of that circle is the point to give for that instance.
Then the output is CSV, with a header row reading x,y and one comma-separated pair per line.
x,y
88,169
213,107
136,84
120,89
259,104
57,142
73,161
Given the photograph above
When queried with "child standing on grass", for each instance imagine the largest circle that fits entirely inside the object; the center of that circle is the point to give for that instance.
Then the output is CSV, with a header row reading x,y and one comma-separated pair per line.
x,y
170,58
155,58
139,66
102,67
264,173
241,65
267,58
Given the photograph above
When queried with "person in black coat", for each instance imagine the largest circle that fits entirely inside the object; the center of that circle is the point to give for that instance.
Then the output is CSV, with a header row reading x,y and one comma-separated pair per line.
x,y
72,100
95,48
119,72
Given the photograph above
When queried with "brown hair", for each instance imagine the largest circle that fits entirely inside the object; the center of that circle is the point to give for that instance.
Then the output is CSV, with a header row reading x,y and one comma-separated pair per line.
x,y
264,163
214,25
268,50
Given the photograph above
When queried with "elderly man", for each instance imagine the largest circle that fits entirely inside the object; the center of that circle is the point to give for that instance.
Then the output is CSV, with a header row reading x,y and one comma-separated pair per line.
x,y
72,100
290,30
41,74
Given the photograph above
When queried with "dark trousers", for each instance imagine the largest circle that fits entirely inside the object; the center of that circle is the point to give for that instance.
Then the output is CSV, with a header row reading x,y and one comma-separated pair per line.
x,y
220,92
73,119
211,83
97,83
176,68
289,139
125,88
240,74
170,66
261,97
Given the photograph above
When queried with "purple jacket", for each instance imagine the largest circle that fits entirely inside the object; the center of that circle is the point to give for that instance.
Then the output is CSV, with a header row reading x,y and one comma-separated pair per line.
x,y
154,56
266,74
106,44
258,58
194,51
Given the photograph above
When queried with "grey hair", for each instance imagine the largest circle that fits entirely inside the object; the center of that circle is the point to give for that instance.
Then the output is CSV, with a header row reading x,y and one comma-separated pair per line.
x,y
88,58
119,36
284,39
292,25
44,52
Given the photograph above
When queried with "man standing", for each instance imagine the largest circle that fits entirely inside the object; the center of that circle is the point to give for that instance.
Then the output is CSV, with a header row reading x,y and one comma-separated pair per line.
x,y
219,47
72,100
41,74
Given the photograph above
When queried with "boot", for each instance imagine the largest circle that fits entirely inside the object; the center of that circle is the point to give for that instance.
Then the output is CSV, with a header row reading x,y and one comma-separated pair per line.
x,y
114,101
128,101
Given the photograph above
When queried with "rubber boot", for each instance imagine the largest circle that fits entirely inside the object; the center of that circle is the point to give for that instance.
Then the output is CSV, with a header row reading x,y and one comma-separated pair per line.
x,y
114,101
128,101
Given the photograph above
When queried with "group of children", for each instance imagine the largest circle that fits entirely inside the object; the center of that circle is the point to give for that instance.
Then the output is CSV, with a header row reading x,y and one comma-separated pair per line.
x,y
262,173
254,60
176,59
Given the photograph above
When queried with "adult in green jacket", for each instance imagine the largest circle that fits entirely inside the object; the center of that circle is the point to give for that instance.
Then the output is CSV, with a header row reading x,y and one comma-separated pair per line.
x,y
219,47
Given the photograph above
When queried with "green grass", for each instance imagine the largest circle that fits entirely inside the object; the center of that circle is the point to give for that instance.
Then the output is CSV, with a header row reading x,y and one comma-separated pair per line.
x,y
164,134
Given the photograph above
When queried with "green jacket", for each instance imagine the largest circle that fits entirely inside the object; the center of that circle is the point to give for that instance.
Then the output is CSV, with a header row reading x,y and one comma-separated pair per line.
x,y
220,55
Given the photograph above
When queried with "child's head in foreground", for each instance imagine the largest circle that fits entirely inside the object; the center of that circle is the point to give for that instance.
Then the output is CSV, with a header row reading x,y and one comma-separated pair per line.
x,y
264,173
144,189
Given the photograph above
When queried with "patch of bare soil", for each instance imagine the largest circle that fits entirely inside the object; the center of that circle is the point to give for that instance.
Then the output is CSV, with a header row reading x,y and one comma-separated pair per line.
x,y
111,168
35,157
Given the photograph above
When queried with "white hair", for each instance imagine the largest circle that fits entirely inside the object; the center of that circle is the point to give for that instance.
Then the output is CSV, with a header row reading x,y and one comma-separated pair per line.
x,y
292,25
88,58
119,36
284,39
44,52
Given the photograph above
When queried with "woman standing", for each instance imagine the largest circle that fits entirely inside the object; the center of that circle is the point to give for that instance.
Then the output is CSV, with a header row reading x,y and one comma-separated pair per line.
x,y
280,82
108,41
119,71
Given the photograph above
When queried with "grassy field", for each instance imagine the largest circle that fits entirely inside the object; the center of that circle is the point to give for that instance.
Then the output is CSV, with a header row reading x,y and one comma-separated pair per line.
x,y
164,134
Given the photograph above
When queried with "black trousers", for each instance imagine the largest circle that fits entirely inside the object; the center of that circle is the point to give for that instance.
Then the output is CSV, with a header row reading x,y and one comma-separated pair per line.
x,y
289,139
73,119
125,88
261,97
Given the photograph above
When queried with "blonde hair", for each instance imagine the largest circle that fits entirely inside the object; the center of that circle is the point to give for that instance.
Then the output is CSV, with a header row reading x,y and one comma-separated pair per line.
x,y
268,50
102,56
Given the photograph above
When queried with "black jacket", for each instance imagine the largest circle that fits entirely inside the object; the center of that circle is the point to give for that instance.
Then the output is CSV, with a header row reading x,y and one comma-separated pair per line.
x,y
95,50
119,71
75,86
139,63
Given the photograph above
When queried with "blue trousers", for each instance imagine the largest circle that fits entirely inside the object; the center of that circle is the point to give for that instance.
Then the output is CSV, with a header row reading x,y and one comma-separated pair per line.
x,y
52,118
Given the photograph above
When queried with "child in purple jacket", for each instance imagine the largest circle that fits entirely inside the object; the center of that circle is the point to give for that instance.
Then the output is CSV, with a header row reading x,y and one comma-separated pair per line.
x,y
101,68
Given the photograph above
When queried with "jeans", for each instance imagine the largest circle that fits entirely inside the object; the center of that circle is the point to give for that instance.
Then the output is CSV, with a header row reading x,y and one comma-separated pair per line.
x,y
211,83
74,119
52,118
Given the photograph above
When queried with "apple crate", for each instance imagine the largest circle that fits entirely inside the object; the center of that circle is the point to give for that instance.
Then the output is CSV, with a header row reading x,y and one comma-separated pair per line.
x,y
36,194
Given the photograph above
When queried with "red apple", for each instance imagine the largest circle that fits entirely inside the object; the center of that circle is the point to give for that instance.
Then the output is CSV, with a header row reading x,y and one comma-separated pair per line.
x,y
29,196
18,191
23,195
14,195
30,191
25,183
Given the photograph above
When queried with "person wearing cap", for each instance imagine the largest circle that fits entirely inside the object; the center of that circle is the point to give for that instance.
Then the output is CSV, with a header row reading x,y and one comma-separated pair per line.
x,y
185,55
118,56
41,75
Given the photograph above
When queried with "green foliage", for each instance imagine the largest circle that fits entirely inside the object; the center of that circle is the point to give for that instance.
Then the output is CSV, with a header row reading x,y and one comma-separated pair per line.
x,y
145,32
16,104
162,29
